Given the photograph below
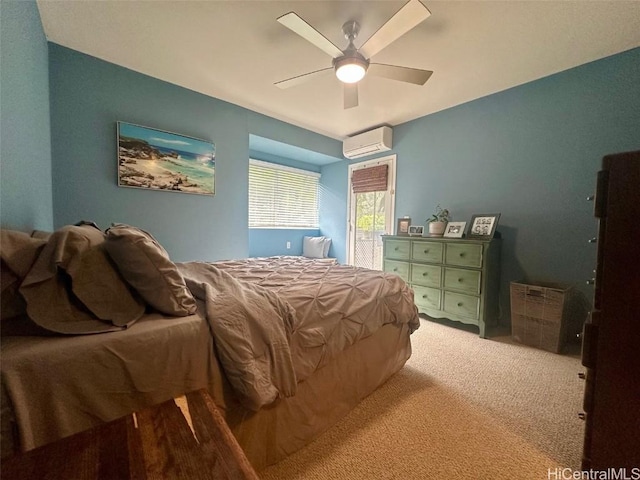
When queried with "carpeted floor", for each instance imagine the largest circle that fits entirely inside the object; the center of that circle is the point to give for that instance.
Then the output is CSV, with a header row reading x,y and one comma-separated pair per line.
x,y
462,408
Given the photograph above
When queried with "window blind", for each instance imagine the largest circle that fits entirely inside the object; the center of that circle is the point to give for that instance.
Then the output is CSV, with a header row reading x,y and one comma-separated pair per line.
x,y
282,197
371,179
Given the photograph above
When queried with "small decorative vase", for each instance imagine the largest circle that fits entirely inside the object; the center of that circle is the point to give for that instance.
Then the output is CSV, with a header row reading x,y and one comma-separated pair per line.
x,y
436,229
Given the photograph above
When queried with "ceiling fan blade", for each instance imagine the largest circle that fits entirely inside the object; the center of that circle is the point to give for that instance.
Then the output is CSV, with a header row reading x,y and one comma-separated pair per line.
x,y
295,23
404,20
403,74
293,81
350,95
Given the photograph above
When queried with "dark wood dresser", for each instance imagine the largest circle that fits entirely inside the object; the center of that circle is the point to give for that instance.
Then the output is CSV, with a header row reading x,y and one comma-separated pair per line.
x,y
611,341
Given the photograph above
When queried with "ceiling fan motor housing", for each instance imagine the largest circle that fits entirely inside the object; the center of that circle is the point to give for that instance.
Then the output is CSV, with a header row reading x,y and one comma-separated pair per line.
x,y
351,66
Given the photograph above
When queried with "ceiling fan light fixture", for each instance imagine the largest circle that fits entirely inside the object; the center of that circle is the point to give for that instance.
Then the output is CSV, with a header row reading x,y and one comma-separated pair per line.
x,y
351,69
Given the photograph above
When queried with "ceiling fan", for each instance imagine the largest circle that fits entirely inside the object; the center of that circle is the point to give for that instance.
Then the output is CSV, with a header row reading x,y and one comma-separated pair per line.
x,y
351,64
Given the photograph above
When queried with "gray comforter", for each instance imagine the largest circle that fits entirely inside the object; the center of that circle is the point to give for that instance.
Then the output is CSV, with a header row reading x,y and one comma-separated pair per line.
x,y
277,320
252,329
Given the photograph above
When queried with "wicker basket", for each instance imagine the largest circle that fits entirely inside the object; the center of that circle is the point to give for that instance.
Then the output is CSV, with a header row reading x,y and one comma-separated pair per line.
x,y
538,315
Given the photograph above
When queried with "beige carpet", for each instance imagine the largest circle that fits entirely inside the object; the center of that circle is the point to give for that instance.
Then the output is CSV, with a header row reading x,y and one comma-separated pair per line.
x,y
462,408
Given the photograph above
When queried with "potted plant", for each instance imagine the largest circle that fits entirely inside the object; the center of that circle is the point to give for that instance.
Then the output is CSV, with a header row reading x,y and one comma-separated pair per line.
x,y
438,221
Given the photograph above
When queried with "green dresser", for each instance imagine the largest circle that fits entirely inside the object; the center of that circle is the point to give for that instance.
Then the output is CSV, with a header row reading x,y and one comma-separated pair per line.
x,y
451,278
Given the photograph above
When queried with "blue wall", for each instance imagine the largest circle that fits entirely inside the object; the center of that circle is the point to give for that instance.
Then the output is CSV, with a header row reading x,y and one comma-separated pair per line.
x,y
334,190
263,126
265,242
25,143
88,96
530,153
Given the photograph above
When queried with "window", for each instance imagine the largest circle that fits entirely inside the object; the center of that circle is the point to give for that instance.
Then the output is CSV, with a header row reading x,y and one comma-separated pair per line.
x,y
282,197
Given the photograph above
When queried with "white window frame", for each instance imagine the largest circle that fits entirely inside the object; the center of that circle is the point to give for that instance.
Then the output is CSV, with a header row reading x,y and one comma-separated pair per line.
x,y
299,171
390,202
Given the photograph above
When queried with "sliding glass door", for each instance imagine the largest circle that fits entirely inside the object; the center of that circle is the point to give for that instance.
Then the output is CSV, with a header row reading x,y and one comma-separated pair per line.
x,y
371,212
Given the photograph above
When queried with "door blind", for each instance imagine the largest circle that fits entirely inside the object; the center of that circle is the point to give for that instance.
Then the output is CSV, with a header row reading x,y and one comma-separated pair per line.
x,y
371,179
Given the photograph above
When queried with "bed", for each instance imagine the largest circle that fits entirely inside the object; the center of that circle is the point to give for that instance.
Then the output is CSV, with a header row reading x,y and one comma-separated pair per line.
x,y
286,346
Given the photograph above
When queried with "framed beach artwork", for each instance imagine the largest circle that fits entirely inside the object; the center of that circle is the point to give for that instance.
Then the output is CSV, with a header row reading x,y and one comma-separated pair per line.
x,y
157,160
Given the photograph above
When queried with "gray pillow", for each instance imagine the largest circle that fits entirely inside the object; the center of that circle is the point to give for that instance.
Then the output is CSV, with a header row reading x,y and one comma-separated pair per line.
x,y
146,266
18,252
74,288
313,247
325,249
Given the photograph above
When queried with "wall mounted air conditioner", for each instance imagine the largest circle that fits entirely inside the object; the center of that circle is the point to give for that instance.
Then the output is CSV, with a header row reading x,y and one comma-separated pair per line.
x,y
368,143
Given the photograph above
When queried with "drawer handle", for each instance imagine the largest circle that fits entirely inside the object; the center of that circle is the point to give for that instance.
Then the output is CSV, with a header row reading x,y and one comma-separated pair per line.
x,y
459,304
425,296
396,249
395,269
426,251
425,274
462,254
460,280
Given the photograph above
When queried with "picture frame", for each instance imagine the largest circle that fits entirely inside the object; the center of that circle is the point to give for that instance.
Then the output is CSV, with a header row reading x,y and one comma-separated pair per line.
x,y
483,226
416,230
455,229
403,226
153,159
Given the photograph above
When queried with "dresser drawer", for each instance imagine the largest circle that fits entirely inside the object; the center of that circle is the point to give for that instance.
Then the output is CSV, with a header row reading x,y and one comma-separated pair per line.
x,y
467,281
462,305
426,275
399,268
426,297
463,254
427,252
398,249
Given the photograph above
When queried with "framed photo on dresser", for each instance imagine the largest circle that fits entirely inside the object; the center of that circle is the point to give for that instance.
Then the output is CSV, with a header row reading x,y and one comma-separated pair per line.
x,y
483,226
403,226
454,229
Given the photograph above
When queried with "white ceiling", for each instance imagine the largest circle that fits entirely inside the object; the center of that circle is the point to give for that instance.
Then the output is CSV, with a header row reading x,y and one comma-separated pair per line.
x,y
235,50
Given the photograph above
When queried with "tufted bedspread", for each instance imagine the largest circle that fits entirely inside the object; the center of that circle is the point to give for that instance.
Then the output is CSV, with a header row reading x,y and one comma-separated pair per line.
x,y
277,320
